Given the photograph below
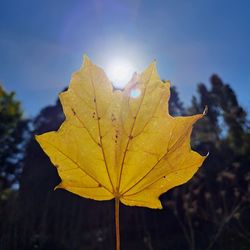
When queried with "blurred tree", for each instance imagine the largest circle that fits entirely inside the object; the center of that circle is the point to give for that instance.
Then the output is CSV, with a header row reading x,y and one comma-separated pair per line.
x,y
233,114
216,201
175,105
13,128
226,120
207,130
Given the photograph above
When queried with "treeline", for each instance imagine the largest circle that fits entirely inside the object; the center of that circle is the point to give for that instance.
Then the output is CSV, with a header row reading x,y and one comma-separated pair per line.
x,y
212,211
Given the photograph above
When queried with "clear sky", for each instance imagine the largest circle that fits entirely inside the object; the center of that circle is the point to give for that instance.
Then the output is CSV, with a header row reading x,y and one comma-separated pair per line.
x,y
42,43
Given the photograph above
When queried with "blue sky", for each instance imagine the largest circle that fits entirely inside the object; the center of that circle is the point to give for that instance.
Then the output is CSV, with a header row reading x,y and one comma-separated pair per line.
x,y
42,43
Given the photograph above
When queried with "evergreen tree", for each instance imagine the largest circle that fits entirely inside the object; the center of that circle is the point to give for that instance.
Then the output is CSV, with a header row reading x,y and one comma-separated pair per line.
x,y
12,132
175,105
234,116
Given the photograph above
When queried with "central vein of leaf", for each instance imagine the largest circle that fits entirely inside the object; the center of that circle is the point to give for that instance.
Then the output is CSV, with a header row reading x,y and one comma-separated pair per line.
x,y
99,131
130,137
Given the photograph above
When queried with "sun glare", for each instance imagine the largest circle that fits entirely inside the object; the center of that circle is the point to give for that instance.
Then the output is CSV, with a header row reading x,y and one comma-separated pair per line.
x,y
120,72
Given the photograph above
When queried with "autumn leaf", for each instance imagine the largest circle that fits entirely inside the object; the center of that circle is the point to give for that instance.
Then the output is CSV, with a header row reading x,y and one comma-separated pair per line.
x,y
121,144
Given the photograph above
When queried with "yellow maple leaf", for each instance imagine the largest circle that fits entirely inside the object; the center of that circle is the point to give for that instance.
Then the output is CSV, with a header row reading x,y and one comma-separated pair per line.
x,y
121,144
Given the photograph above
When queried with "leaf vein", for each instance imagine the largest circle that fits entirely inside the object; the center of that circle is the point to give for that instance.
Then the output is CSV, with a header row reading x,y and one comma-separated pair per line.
x,y
84,171
99,130
163,156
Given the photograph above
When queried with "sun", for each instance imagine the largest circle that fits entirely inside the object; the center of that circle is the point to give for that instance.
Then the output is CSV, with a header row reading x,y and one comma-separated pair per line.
x,y
120,71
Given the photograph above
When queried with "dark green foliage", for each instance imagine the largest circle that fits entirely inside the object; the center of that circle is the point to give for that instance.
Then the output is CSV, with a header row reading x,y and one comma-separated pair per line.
x,y
12,133
175,105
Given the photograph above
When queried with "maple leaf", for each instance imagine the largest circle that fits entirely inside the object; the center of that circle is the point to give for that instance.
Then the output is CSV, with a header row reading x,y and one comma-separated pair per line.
x,y
118,144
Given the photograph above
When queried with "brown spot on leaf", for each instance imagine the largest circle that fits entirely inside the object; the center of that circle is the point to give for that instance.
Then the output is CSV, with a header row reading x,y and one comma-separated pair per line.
x,y
73,111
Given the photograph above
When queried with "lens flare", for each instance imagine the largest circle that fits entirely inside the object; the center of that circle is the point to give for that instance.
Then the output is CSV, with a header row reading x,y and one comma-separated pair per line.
x,y
120,72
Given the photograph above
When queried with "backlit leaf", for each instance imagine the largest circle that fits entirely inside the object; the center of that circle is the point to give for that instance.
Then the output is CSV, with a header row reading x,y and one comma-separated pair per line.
x,y
121,143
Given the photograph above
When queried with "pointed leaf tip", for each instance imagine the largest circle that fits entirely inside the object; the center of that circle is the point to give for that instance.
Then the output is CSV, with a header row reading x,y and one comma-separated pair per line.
x,y
205,110
154,63
37,138
86,61
58,186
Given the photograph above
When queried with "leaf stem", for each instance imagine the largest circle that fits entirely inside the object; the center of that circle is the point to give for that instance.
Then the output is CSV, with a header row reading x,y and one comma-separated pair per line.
x,y
117,223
